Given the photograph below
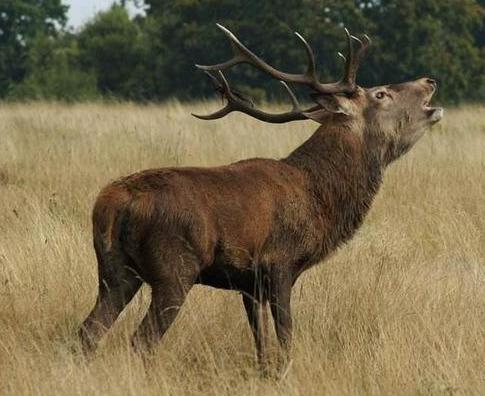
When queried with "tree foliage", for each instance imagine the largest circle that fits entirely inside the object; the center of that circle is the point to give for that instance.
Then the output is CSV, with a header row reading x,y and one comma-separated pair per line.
x,y
53,73
112,47
152,57
21,21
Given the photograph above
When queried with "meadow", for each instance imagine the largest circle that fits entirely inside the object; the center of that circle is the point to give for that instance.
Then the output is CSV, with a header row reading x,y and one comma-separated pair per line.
x,y
400,310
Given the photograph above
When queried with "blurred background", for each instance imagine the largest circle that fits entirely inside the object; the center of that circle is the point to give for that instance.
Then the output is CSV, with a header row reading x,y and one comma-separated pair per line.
x,y
145,50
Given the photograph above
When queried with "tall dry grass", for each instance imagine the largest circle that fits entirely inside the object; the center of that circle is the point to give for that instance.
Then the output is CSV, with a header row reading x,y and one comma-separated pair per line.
x,y
399,310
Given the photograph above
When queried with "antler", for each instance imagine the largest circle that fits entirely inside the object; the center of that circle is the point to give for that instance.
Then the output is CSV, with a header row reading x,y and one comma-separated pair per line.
x,y
346,85
236,102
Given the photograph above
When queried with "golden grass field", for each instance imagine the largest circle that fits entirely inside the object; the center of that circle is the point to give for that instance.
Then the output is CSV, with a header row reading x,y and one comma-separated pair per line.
x,y
398,311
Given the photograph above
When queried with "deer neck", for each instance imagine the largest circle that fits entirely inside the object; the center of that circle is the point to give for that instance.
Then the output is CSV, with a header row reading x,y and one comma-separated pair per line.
x,y
344,176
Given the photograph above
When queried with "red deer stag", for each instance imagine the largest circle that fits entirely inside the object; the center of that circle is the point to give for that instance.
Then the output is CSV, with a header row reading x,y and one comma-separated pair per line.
x,y
255,225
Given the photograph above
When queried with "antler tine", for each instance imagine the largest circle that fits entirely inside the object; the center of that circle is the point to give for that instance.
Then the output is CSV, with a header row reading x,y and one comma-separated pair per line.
x,y
217,84
349,60
239,57
312,67
357,39
294,100
222,86
234,103
242,54
354,58
365,46
213,116
225,84
245,55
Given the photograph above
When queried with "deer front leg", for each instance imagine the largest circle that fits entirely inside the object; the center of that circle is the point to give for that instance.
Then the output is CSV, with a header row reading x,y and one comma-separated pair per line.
x,y
258,321
279,299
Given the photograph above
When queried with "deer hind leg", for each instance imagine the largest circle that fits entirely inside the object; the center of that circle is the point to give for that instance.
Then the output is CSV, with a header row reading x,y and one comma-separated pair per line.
x,y
164,307
173,276
118,283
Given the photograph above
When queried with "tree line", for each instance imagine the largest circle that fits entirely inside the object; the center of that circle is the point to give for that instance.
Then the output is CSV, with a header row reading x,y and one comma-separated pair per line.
x,y
151,57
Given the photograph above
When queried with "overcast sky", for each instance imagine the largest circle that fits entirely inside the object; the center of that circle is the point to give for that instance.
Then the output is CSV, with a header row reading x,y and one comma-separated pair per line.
x,y
82,10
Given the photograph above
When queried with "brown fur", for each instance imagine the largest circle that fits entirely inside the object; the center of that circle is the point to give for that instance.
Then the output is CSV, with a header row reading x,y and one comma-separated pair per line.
x,y
252,226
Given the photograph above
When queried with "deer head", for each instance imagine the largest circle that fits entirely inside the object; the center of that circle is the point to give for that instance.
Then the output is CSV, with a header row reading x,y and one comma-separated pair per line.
x,y
390,117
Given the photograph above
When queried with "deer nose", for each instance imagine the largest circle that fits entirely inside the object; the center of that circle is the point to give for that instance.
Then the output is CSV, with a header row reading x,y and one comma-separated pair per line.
x,y
431,82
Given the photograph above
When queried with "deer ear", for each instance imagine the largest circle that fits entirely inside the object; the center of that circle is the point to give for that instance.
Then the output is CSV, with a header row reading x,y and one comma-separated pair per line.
x,y
336,104
333,104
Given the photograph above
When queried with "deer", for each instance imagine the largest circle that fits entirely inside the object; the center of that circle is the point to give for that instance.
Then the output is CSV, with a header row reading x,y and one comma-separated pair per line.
x,y
256,225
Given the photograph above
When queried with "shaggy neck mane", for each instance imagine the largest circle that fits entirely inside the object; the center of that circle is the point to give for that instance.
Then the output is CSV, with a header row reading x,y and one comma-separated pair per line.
x,y
344,176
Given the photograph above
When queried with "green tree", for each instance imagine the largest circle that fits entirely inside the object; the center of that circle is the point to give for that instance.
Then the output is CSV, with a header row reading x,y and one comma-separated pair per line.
x,y
53,72
113,47
20,22
433,37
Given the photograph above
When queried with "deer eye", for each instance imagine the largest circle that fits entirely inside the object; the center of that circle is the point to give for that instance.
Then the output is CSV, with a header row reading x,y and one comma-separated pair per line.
x,y
380,95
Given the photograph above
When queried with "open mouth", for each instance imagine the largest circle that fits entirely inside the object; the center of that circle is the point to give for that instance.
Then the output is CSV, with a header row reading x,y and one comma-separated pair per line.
x,y
434,114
